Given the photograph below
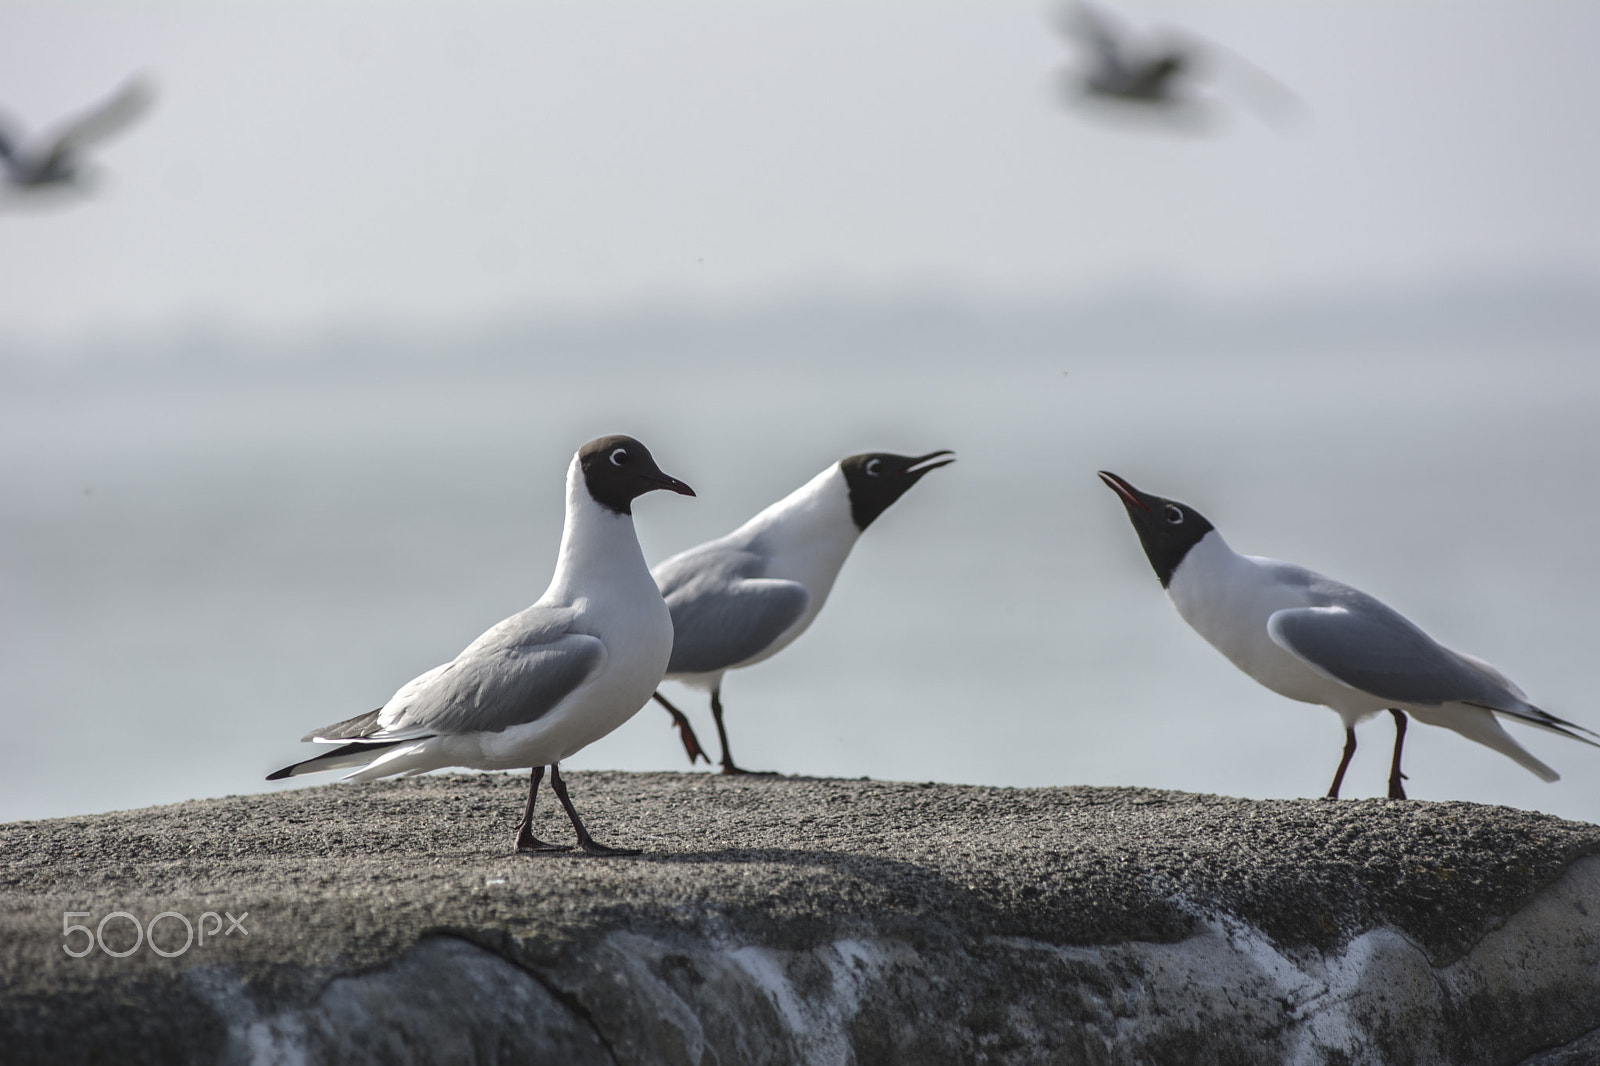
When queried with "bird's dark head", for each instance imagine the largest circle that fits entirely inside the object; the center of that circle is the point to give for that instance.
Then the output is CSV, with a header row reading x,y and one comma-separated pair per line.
x,y
877,479
1166,528
618,469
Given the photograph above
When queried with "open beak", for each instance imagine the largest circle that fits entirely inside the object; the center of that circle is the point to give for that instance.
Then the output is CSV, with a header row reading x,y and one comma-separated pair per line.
x,y
1131,497
922,464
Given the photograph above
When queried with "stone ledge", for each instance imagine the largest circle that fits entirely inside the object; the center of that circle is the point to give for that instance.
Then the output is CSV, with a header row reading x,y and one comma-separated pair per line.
x,y
803,920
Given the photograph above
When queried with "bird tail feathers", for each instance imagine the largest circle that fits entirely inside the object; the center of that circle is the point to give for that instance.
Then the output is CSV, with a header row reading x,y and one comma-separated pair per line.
x,y
1478,723
358,753
385,764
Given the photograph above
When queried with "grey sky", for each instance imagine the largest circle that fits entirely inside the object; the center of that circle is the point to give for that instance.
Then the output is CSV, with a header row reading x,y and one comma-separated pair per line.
x,y
308,162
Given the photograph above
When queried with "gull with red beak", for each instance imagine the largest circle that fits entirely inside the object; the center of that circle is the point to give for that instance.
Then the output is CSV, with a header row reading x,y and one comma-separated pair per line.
x,y
548,681
745,597
1313,639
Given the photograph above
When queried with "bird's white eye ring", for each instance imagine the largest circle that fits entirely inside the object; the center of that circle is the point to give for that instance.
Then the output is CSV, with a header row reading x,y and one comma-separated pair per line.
x,y
619,456
1174,514
871,467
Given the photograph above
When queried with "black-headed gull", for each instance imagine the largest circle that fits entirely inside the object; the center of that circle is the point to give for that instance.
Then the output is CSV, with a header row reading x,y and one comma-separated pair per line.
x,y
548,681
745,597
1313,639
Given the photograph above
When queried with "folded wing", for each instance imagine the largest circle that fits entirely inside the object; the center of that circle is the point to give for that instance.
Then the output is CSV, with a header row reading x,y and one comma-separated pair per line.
x,y
515,673
1375,649
723,613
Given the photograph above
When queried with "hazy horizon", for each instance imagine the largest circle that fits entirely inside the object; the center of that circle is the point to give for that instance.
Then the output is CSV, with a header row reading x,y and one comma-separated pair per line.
x,y
1450,310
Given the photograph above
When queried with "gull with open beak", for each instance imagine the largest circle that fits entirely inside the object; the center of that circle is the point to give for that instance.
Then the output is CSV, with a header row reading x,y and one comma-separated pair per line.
x,y
745,597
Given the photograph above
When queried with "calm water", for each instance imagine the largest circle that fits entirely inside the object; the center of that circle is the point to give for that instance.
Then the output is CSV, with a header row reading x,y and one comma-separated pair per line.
x,y
200,564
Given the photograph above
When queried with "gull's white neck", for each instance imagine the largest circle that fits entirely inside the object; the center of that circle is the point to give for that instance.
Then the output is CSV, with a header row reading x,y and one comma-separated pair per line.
x,y
1206,570
598,548
805,537
1228,598
817,513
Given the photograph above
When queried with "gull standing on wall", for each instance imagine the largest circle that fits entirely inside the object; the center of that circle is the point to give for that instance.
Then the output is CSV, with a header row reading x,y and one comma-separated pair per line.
x,y
745,597
549,681
1313,639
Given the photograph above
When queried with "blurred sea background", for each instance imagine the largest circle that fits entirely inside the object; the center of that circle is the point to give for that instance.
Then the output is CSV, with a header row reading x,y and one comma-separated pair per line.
x,y
285,405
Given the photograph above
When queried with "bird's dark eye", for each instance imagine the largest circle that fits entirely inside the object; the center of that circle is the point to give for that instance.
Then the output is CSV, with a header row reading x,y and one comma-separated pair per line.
x,y
619,456
872,467
1174,514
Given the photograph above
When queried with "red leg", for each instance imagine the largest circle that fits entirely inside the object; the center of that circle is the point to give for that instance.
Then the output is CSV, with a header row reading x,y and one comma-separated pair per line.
x,y
691,743
1396,789
1344,763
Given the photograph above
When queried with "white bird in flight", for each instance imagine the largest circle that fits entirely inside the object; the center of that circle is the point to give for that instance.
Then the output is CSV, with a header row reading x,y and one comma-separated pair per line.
x,y
56,159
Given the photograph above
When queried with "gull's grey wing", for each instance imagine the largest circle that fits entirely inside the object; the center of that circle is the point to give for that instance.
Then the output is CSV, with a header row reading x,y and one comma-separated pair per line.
x,y
1372,647
723,611
368,722
1093,27
350,729
104,119
513,674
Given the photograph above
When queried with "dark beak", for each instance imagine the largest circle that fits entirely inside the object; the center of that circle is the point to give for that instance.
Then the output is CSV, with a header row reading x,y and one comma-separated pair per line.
x,y
921,465
1131,497
668,482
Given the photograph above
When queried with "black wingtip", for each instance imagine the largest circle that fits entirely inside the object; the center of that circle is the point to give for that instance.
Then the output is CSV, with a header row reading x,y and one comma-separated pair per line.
x,y
1549,720
361,746
1543,719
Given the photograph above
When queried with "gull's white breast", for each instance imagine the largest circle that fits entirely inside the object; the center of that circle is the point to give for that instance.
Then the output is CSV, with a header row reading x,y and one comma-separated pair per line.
x,y
1227,598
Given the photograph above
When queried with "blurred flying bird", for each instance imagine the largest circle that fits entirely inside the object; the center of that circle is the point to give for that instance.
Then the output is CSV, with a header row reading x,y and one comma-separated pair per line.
x,y
544,683
1147,72
1313,639
1170,74
745,597
56,159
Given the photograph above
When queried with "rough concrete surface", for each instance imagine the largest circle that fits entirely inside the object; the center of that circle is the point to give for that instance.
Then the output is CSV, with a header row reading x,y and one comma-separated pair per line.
x,y
792,920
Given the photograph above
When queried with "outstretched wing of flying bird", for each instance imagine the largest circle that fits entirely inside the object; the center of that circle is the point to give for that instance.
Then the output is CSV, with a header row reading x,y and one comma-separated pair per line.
x,y
109,117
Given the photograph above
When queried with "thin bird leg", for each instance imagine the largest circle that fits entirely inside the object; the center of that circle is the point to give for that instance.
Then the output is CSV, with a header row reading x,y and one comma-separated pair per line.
x,y
1396,790
1349,750
691,743
585,841
525,838
722,734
